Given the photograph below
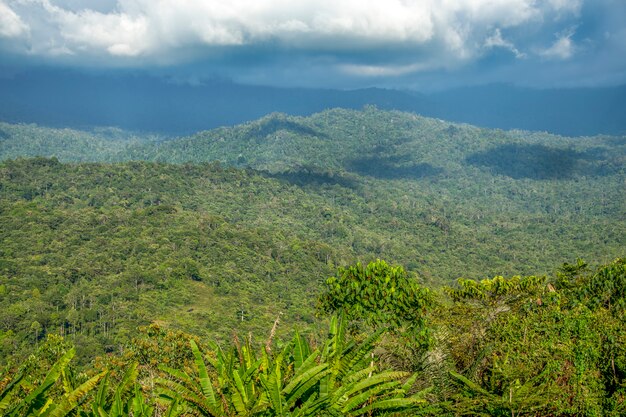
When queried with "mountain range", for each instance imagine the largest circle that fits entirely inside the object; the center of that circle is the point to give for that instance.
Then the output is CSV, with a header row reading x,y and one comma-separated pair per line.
x,y
148,103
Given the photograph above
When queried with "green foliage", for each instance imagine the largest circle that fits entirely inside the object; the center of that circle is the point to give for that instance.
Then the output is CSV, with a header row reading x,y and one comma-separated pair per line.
x,y
336,379
550,349
38,401
378,294
209,249
501,347
607,288
89,252
498,290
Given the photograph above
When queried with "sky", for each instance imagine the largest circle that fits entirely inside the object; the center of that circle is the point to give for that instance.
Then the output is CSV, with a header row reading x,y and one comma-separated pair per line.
x,y
410,44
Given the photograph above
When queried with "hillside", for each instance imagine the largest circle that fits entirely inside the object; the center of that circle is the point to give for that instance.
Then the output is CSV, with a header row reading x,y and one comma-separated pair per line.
x,y
94,250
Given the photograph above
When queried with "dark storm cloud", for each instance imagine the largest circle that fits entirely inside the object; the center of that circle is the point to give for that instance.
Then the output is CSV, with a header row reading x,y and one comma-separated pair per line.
x,y
340,43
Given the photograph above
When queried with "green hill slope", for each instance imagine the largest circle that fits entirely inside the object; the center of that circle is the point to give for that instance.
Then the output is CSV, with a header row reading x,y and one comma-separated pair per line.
x,y
93,250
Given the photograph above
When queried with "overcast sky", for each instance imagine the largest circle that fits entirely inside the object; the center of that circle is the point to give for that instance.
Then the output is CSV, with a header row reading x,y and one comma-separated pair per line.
x,y
418,44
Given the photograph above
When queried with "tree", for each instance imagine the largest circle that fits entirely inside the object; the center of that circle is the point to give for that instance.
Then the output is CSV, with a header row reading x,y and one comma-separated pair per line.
x,y
380,295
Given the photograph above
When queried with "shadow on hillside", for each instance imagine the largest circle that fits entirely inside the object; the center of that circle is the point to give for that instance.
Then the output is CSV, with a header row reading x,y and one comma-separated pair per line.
x,y
4,134
541,162
391,168
312,177
274,125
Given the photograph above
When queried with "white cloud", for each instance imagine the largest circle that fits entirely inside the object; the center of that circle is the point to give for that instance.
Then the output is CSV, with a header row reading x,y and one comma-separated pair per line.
x,y
386,70
563,48
11,26
566,6
497,41
453,31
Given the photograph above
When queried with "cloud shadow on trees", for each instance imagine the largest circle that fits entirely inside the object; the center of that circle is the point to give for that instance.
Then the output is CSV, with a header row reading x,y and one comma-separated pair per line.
x,y
540,162
393,167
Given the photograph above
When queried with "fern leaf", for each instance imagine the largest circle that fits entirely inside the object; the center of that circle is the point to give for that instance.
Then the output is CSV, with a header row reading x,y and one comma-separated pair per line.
x,y
471,385
392,404
380,378
367,395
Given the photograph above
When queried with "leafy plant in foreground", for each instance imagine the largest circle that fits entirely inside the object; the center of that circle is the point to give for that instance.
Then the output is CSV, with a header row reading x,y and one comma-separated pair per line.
x,y
337,378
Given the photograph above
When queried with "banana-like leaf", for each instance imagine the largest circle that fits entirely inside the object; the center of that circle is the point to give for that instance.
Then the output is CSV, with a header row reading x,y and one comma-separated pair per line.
x,y
117,407
356,377
172,410
309,362
272,384
74,397
128,380
301,350
68,380
99,412
36,399
303,377
249,373
205,381
409,383
175,373
100,399
138,404
359,353
7,392
240,396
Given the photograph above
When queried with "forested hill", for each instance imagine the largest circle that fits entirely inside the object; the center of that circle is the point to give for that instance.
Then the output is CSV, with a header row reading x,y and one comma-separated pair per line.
x,y
392,144
95,249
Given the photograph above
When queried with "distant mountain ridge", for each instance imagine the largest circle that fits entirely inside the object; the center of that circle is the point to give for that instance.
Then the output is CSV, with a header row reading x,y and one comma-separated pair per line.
x,y
370,142
151,104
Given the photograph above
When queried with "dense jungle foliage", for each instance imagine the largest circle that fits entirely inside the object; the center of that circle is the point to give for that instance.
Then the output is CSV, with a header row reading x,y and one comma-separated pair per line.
x,y
222,232
520,346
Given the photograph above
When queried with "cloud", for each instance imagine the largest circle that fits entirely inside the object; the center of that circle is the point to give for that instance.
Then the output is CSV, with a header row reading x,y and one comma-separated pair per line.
x,y
566,6
386,70
563,48
157,27
272,40
496,41
11,25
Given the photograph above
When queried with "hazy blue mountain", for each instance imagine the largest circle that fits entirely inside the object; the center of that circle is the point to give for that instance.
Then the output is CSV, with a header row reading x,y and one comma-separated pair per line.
x,y
148,103
570,112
